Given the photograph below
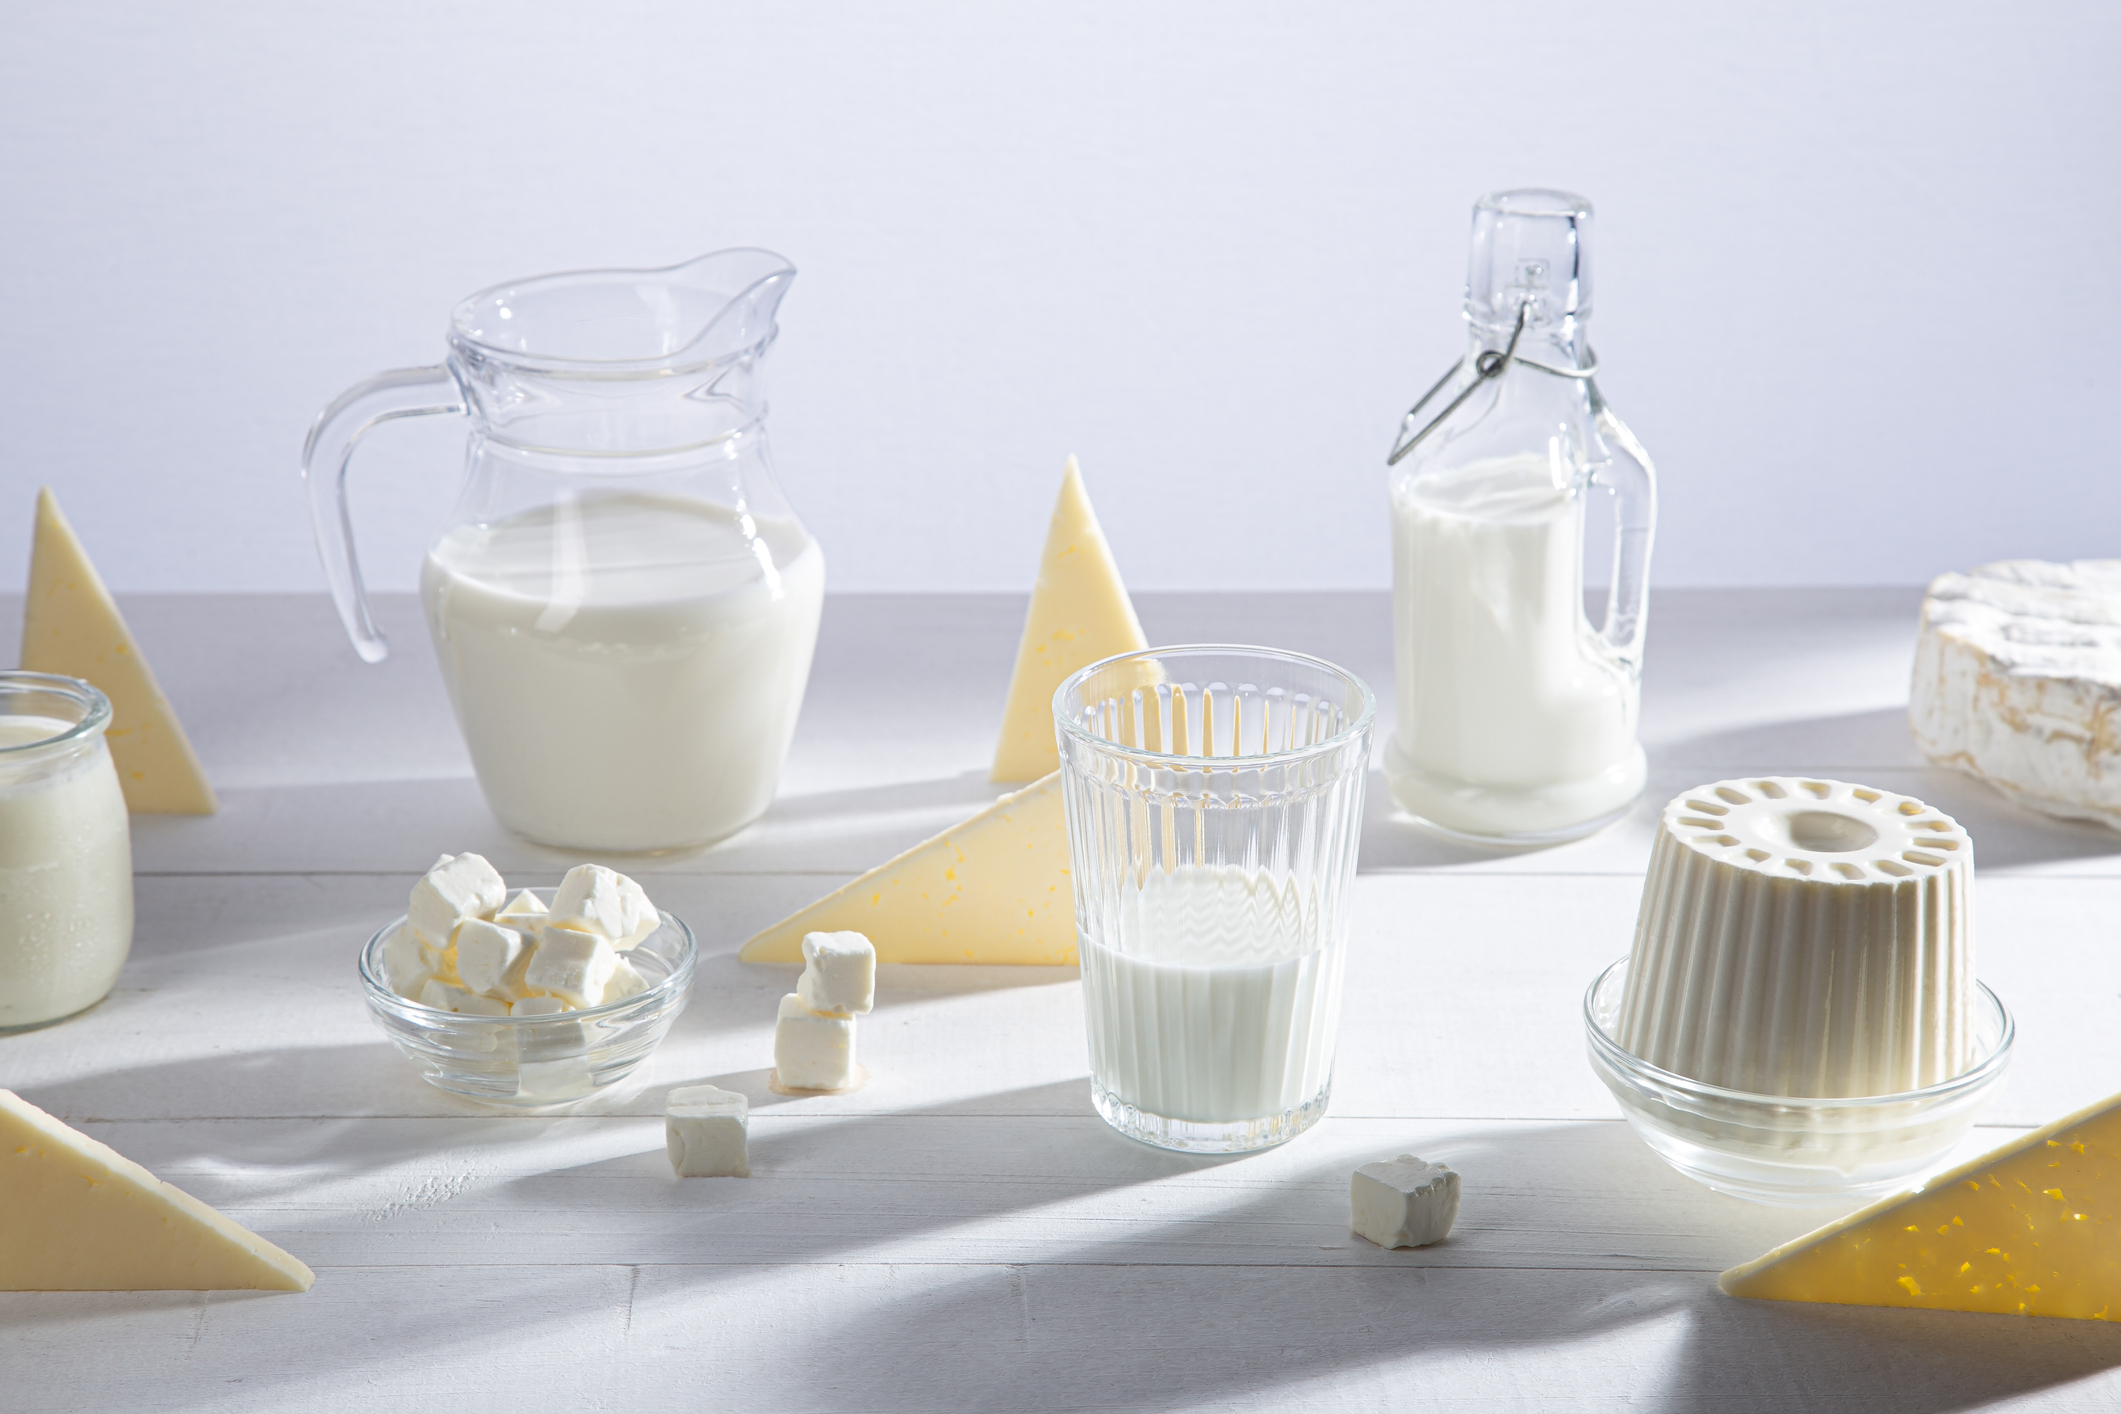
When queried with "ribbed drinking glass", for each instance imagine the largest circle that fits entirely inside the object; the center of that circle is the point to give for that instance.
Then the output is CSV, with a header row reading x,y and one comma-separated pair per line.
x,y
1214,801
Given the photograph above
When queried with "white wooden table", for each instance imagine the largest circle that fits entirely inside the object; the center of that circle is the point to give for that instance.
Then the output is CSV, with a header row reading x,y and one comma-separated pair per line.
x,y
964,1233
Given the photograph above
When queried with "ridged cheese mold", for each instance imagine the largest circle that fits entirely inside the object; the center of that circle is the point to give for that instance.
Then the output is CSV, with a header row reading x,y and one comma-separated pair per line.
x,y
2030,1229
1799,1020
1804,937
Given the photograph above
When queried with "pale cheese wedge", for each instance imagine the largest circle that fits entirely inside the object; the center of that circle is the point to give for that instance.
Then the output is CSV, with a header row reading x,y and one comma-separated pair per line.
x,y
76,1215
993,889
71,625
2030,1229
1080,613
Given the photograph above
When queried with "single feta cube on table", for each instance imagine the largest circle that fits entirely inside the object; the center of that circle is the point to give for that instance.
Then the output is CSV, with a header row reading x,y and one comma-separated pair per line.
x,y
594,899
1403,1202
460,886
485,954
810,1051
523,913
704,1130
408,962
571,965
839,974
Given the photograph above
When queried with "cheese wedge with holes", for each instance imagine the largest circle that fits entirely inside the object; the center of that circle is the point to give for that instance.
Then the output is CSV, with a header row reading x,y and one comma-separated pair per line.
x,y
1079,613
993,889
71,625
2031,1229
76,1215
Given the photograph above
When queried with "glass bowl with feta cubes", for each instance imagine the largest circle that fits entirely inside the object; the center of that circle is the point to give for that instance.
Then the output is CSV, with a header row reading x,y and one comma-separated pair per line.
x,y
527,998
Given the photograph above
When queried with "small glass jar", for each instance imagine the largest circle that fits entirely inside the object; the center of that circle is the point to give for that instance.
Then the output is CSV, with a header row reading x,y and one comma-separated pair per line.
x,y
66,855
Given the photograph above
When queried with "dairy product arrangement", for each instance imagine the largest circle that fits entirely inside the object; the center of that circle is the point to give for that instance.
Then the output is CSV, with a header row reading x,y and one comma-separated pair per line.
x,y
2017,682
466,947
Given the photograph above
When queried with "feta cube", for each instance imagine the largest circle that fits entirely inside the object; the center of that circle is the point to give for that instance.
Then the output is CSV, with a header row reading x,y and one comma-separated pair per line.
x,y
536,1006
486,952
572,965
704,1130
839,974
408,961
440,995
458,887
811,1051
625,982
524,913
1403,1202
475,1005
603,901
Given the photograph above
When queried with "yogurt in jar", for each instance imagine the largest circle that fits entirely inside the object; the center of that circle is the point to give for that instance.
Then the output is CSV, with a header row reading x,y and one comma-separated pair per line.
x,y
66,875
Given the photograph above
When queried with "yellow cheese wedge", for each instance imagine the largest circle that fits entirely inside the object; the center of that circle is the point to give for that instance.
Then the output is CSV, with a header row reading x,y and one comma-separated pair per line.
x,y
76,1215
1080,613
71,625
993,889
2032,1229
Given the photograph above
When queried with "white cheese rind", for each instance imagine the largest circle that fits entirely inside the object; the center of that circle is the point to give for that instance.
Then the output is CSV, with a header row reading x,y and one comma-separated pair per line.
x,y
2018,681
1403,1202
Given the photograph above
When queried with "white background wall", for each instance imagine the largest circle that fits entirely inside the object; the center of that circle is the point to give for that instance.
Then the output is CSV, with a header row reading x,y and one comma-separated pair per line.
x,y
1856,262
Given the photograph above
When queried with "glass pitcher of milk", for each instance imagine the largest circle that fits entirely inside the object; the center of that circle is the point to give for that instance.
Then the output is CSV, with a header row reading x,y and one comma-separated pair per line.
x,y
623,604
1516,718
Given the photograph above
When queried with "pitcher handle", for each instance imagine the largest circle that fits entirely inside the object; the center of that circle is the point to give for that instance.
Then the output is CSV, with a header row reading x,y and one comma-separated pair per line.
x,y
1633,482
402,392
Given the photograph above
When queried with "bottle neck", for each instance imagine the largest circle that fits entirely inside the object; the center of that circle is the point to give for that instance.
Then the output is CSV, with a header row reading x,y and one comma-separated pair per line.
x,y
1560,343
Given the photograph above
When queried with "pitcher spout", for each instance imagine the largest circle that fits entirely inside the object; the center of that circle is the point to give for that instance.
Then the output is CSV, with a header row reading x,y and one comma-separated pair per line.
x,y
751,284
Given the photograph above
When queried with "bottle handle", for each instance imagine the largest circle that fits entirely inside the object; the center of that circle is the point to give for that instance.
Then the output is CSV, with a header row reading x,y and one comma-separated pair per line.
x,y
1633,482
401,392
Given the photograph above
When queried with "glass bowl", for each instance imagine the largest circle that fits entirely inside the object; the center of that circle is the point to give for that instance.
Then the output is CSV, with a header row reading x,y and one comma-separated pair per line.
x,y
535,1062
1786,1151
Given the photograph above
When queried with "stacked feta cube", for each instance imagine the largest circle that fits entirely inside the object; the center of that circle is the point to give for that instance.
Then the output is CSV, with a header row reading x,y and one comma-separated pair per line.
x,y
466,947
813,1037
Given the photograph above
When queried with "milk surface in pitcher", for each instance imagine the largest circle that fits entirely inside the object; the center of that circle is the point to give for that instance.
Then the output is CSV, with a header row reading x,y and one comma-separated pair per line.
x,y
1511,719
599,648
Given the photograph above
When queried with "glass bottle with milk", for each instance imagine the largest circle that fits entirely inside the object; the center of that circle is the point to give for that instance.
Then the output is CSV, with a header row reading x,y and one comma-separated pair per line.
x,y
624,606
1515,717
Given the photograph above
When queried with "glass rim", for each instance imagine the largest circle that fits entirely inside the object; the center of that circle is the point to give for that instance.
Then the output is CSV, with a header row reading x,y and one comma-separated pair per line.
x,y
1354,729
672,363
1628,1063
95,715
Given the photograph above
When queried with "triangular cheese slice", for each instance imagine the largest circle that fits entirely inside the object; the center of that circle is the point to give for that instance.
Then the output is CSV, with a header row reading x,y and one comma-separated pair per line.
x,y
1080,613
76,1215
71,625
994,889
2031,1229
